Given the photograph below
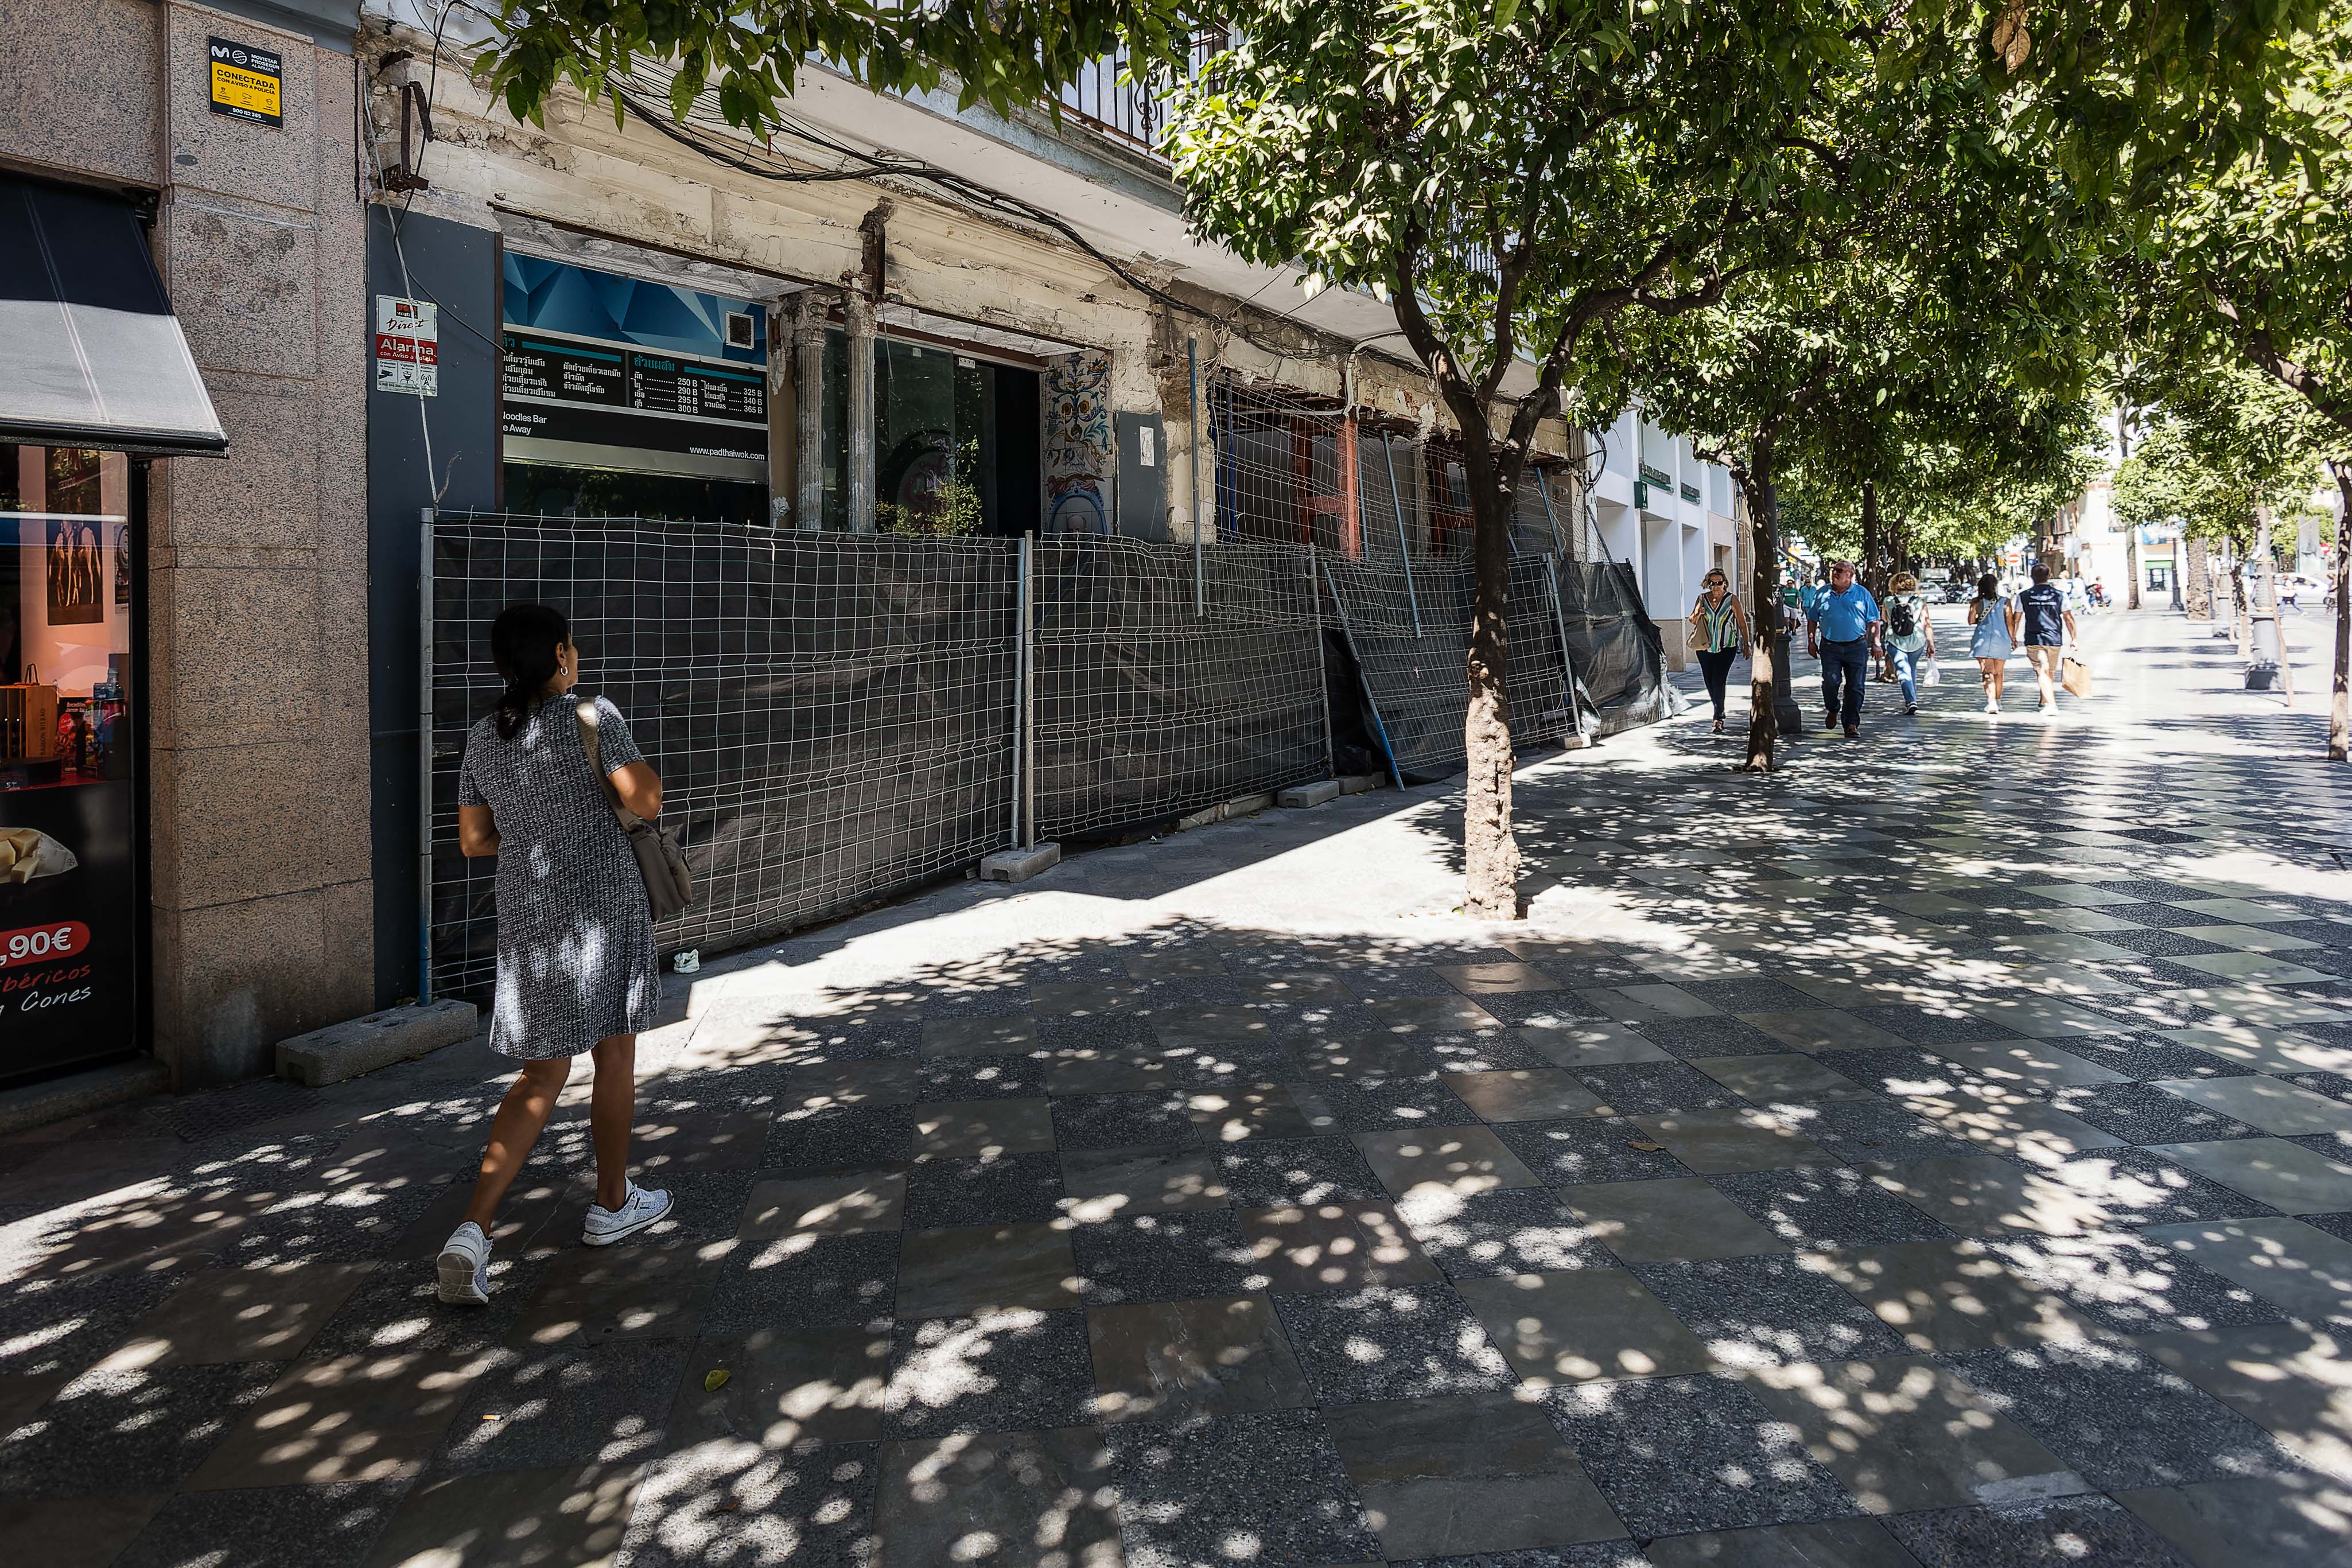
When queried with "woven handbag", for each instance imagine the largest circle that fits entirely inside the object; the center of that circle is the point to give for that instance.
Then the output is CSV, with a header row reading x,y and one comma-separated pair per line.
x,y
670,886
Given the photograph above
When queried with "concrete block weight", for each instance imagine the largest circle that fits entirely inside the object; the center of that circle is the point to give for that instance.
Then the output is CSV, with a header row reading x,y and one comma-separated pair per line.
x,y
1020,865
345,1050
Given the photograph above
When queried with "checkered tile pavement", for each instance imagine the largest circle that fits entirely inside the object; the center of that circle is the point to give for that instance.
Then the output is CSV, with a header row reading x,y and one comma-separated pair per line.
x,y
1910,1170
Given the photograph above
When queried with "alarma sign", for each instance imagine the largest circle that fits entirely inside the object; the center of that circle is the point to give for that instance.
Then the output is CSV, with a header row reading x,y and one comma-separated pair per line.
x,y
248,83
407,346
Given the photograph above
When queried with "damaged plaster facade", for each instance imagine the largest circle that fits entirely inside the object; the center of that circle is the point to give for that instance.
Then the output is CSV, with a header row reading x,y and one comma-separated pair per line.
x,y
655,205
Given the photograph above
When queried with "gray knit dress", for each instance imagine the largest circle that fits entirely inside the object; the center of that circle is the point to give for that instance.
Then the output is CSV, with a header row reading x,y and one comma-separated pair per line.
x,y
576,961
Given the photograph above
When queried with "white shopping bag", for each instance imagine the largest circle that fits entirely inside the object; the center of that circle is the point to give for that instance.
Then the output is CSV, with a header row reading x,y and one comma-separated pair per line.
x,y
1930,674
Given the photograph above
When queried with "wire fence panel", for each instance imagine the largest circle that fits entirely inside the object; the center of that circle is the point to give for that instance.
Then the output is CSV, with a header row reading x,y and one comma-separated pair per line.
x,y
1145,708
1420,681
835,717
832,716
1390,518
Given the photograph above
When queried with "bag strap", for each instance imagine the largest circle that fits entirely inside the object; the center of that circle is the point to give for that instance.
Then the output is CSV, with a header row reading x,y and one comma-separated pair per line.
x,y
587,714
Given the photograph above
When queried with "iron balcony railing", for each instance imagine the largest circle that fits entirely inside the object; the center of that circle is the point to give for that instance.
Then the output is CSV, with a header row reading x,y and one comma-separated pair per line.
x,y
1134,114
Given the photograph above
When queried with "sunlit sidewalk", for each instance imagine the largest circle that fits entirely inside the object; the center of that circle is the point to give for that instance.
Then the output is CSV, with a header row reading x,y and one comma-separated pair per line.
x,y
1939,1151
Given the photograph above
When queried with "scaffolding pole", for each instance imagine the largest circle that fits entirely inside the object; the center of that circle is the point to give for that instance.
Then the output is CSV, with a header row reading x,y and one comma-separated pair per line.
x,y
425,758
1404,551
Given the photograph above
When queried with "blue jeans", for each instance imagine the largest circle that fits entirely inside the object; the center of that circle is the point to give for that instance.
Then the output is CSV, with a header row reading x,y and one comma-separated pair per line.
x,y
1906,671
1845,670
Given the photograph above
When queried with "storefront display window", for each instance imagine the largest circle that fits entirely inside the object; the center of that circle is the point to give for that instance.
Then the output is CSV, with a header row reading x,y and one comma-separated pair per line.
x,y
955,441
68,806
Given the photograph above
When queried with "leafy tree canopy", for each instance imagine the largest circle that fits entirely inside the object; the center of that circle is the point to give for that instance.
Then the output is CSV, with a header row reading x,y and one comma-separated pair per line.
x,y
2225,440
2252,262
1005,54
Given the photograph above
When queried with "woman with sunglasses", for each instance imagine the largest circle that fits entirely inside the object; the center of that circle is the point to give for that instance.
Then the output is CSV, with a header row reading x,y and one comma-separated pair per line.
x,y
1720,628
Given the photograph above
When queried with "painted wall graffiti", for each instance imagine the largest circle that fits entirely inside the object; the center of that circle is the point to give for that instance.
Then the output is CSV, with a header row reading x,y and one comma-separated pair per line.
x,y
1078,444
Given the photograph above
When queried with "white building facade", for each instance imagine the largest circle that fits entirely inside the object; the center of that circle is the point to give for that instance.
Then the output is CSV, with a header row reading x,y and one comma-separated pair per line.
x,y
1672,516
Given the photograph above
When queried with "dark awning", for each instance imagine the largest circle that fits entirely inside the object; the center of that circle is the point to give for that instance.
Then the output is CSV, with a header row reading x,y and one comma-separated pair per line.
x,y
91,354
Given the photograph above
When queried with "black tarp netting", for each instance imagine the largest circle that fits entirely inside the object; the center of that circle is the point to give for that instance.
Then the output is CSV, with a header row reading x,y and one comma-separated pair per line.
x,y
1613,645
832,716
1151,701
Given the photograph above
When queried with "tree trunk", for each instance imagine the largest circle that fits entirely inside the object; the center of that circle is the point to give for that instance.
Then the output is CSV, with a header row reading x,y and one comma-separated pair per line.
x,y
2197,577
1490,851
2241,621
2339,710
1765,673
1870,576
2131,568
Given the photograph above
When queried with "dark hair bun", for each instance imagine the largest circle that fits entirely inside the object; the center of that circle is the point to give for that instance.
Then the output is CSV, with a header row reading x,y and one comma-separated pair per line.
x,y
523,643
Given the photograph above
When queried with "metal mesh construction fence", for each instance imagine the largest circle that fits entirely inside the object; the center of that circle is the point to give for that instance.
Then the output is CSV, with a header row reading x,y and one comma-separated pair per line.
x,y
835,717
1389,517
831,717
1156,694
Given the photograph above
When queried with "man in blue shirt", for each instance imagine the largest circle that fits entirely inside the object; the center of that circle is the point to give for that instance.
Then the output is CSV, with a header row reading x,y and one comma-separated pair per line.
x,y
1842,630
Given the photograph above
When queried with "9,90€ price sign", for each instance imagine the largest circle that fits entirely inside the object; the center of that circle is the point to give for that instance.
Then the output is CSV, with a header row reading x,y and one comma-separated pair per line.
x,y
37,944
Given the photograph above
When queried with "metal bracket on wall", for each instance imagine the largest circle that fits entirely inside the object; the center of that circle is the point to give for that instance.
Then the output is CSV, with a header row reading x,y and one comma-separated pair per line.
x,y
416,116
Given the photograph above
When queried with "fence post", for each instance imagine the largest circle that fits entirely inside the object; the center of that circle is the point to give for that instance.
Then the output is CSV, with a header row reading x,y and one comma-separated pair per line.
x,y
1371,702
1200,519
425,517
1322,677
1543,492
1404,550
1024,808
1567,659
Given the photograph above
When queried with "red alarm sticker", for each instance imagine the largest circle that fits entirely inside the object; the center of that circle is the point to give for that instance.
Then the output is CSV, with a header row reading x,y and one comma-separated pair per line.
x,y
38,943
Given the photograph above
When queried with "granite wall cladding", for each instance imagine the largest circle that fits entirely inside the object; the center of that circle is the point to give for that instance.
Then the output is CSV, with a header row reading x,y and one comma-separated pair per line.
x,y
256,636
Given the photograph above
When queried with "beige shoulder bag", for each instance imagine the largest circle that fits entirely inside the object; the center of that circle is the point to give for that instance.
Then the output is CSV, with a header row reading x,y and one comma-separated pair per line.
x,y
669,887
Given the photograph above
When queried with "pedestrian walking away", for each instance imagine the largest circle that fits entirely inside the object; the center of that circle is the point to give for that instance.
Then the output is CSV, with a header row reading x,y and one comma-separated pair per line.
x,y
576,968
2049,624
1841,630
1994,638
1910,633
1721,627
2289,587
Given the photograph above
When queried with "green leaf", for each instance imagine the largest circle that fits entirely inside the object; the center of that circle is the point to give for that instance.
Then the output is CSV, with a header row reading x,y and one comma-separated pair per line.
x,y
715,1380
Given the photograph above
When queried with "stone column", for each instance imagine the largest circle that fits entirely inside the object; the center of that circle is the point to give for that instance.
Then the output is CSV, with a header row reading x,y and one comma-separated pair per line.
x,y
808,359
258,570
858,316
784,420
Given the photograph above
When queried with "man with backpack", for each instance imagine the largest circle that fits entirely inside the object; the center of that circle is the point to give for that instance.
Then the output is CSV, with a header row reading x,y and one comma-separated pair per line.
x,y
1842,630
2049,624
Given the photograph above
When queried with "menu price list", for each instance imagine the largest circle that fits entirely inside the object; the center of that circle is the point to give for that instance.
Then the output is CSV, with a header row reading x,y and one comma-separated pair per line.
x,y
627,379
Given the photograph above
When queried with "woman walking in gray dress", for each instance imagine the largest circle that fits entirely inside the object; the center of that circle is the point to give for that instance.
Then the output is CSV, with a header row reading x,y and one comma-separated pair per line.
x,y
576,968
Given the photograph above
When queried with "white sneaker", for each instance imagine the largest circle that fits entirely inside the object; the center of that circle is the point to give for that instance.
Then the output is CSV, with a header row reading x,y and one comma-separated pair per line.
x,y
464,1267
637,1211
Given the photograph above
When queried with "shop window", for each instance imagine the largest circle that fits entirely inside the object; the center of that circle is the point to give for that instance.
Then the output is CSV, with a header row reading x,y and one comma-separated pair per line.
x,y
65,614
69,909
955,442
